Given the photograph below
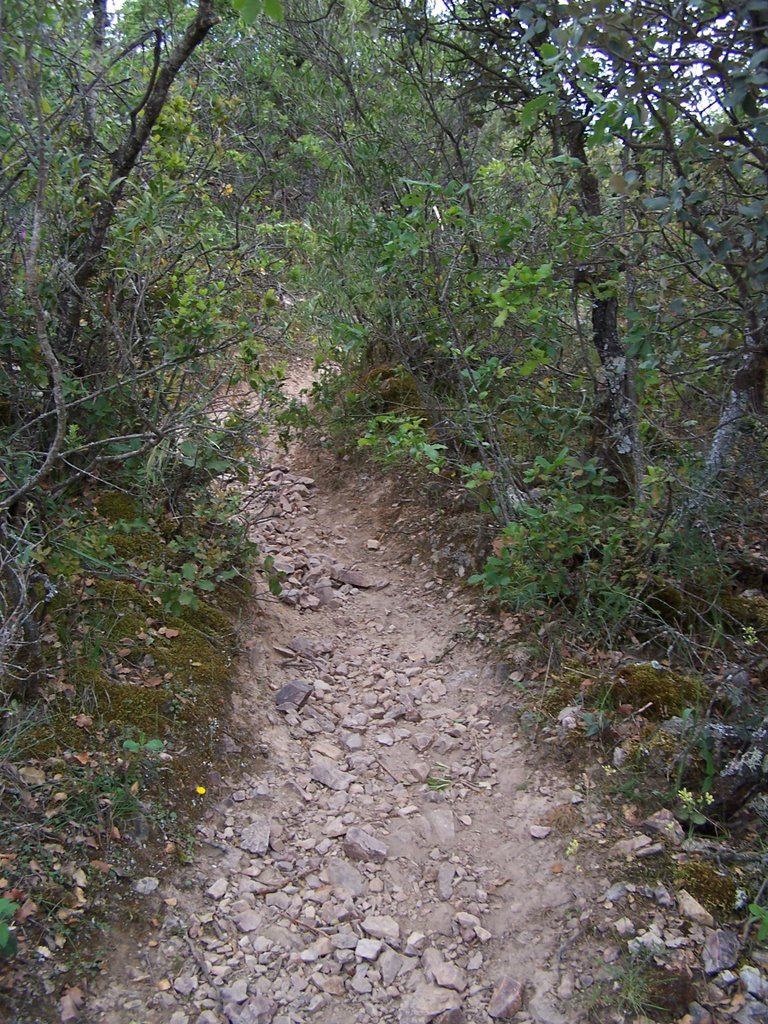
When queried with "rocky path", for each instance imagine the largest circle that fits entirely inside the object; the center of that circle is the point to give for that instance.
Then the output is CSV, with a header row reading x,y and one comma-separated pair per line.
x,y
393,861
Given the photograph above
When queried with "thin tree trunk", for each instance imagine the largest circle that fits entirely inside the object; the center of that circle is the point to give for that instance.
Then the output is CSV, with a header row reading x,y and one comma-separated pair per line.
x,y
617,408
143,119
747,395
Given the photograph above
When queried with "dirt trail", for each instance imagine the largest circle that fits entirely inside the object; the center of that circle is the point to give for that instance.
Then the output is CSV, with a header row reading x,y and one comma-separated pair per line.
x,y
382,867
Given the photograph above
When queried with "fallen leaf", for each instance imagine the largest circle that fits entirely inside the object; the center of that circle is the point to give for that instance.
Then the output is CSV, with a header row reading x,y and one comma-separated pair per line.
x,y
27,909
134,788
101,865
83,721
71,1002
170,633
82,758
163,985
154,681
80,877
557,868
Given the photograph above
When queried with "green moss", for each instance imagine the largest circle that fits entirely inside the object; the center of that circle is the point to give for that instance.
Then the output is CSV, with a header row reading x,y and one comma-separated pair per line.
x,y
209,621
140,546
714,890
122,596
667,693
749,611
120,706
193,659
115,505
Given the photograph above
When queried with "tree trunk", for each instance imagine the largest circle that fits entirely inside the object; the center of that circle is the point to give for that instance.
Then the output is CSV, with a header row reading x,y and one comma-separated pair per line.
x,y
616,409
747,395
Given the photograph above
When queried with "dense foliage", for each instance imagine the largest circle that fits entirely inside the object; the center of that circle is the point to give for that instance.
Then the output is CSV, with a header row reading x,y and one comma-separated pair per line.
x,y
527,243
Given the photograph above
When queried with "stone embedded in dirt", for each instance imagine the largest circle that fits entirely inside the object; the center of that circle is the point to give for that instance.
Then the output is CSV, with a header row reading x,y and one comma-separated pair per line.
x,y
693,910
415,943
237,992
721,950
507,999
444,974
144,886
258,1010
372,545
255,838
625,928
185,984
345,878
361,845
442,827
426,1003
663,823
332,985
454,1016
540,831
355,578
293,696
632,845
249,921
445,876
381,927
327,774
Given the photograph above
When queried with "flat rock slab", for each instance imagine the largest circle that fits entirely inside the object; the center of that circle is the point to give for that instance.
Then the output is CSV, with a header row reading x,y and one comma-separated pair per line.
x,y
293,696
361,845
427,1003
327,774
355,578
255,838
721,950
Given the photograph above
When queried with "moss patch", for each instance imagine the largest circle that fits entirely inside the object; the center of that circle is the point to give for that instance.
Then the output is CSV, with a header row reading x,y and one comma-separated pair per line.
x,y
115,505
749,611
714,890
667,693
140,546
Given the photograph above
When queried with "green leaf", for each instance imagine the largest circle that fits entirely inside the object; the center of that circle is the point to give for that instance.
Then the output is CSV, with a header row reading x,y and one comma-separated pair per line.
x,y
274,9
189,570
249,10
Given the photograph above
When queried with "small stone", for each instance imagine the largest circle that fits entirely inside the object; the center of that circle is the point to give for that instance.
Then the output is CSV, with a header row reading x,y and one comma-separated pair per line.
x,y
443,974
218,888
507,999
331,984
721,950
415,943
237,992
368,949
693,910
754,982
293,696
239,796
381,927
249,921
255,838
663,823
361,845
372,545
390,964
185,984
540,831
625,928
144,886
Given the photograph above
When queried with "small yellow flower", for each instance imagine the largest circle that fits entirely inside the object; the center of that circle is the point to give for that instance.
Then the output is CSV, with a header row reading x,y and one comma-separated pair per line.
x,y
200,790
